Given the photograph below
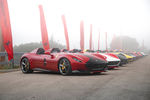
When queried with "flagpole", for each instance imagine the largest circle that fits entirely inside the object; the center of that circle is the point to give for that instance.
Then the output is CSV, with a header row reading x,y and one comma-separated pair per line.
x,y
99,41
2,49
44,32
65,31
90,37
82,35
6,30
106,42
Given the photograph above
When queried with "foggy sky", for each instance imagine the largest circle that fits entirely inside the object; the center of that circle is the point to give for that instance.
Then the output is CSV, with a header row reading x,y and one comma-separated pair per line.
x,y
119,17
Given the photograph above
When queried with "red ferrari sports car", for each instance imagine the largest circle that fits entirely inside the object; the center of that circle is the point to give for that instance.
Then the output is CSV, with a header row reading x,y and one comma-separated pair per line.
x,y
113,60
65,63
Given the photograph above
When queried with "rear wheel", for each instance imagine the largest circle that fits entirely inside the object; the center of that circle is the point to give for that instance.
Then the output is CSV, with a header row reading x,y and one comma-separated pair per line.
x,y
25,66
64,67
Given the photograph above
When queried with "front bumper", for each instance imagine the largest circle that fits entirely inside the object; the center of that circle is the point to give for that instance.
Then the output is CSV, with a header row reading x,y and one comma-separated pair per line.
x,y
113,64
96,66
123,61
130,59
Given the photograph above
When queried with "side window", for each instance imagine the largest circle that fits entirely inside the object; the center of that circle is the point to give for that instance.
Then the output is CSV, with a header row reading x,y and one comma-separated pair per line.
x,y
40,51
55,50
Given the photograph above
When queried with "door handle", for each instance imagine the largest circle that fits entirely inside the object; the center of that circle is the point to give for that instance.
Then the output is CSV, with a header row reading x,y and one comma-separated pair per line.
x,y
45,62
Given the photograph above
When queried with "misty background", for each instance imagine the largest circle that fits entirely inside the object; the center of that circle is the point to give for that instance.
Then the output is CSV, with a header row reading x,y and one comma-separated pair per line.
x,y
116,17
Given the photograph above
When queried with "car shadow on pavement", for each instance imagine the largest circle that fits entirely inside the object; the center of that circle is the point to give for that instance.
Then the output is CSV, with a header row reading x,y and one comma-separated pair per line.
x,y
115,69
88,74
73,74
124,65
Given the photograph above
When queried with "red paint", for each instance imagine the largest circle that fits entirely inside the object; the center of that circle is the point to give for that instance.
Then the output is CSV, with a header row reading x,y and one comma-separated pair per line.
x,y
6,28
37,60
99,56
44,33
112,67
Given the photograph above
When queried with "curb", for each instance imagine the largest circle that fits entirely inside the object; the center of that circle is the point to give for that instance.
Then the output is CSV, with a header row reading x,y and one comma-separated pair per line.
x,y
9,70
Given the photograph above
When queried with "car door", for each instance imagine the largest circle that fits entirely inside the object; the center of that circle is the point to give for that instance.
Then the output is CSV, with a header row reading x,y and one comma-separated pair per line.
x,y
49,62
37,60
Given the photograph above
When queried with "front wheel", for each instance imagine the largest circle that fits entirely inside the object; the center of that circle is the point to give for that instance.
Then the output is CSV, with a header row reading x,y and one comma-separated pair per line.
x,y
25,66
64,67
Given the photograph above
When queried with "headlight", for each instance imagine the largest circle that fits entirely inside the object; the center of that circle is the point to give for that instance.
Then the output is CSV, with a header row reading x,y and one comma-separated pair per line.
x,y
77,60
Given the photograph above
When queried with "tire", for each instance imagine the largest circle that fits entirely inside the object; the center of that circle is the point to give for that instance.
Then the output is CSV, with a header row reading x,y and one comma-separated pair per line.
x,y
111,68
96,73
25,66
64,67
120,64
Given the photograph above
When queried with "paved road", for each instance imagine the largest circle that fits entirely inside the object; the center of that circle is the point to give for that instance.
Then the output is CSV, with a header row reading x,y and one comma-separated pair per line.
x,y
131,82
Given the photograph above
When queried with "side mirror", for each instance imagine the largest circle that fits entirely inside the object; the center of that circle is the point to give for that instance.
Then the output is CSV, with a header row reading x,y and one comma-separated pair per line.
x,y
81,52
52,56
48,53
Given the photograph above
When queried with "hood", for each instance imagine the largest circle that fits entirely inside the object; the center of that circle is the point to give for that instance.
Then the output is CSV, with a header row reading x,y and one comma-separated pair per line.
x,y
127,56
122,57
112,55
110,58
101,57
86,57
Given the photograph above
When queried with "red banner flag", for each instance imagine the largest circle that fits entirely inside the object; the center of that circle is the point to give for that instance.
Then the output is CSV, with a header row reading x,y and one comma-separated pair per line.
x,y
106,41
6,29
44,33
91,37
99,41
2,49
65,30
82,35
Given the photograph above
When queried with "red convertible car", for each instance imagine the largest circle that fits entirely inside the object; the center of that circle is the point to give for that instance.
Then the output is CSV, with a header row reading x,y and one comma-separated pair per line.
x,y
65,63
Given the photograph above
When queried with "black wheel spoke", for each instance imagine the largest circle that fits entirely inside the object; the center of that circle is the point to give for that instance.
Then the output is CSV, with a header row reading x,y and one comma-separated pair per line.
x,y
25,66
64,67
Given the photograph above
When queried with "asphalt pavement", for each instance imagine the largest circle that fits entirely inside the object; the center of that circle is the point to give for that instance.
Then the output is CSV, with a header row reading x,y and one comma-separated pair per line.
x,y
130,82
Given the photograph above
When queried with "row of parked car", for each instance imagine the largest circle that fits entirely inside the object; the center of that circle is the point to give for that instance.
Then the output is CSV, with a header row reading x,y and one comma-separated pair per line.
x,y
67,61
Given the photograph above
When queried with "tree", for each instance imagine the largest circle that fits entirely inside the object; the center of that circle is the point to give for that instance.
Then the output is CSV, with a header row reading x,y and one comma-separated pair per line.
x,y
30,46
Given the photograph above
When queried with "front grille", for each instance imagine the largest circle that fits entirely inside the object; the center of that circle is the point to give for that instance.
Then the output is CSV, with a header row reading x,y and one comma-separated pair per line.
x,y
130,59
95,64
124,61
95,67
113,62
